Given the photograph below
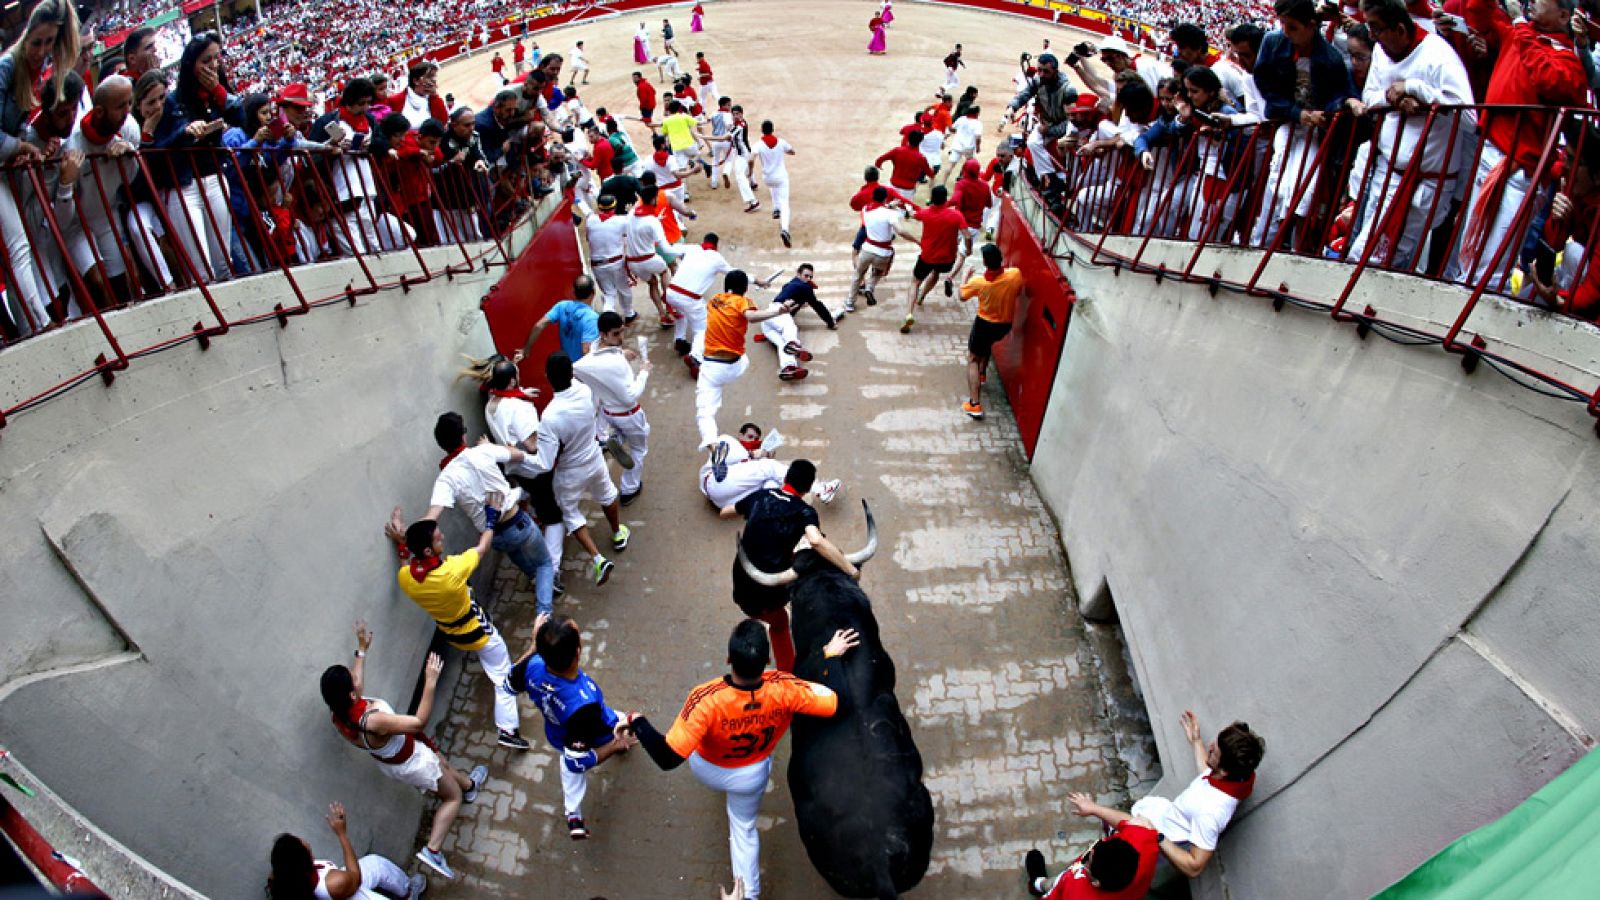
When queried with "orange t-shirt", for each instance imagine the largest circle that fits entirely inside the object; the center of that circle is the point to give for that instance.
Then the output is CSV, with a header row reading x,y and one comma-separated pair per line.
x,y
997,299
732,726
725,323
669,219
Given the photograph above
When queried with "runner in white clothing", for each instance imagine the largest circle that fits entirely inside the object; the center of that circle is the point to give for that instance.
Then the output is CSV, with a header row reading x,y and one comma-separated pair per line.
x,y
648,251
698,269
667,68
771,150
567,447
514,422
668,181
579,62
608,372
881,223
731,150
966,141
746,468
608,237
370,877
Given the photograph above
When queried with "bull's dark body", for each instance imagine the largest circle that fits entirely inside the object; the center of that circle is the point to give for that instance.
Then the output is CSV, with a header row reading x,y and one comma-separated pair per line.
x,y
864,815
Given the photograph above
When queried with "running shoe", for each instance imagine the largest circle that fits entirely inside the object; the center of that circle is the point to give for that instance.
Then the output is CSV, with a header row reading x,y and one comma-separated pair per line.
x,y
513,740
477,776
872,299
905,327
435,861
602,570
719,460
666,322
828,490
794,349
682,347
776,214
694,367
419,884
619,451
793,373
630,319
1033,863
752,206
849,307
576,829
628,499
786,241
557,588
619,541
973,410
949,288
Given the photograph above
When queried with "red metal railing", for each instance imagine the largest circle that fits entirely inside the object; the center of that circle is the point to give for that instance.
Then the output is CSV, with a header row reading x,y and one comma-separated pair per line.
x,y
1388,191
129,232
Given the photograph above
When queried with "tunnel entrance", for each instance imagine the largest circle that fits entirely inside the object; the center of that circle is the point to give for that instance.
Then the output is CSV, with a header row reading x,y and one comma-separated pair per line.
x,y
1120,691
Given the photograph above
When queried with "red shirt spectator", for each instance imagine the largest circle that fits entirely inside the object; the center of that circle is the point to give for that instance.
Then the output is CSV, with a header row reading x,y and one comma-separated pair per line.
x,y
603,154
1535,68
436,107
411,169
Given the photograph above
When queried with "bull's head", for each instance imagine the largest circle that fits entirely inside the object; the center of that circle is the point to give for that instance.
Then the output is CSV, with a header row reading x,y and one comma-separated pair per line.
x,y
787,576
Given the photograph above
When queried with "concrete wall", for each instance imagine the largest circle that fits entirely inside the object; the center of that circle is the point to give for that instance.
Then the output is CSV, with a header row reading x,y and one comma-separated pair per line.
x,y
1382,563
187,549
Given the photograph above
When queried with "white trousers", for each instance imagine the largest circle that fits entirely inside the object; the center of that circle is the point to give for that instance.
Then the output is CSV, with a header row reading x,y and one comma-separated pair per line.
x,y
708,387
779,190
23,287
1499,227
691,324
779,331
1038,148
144,233
573,787
1289,169
380,879
615,293
737,167
555,536
1416,213
591,480
496,662
634,429
744,787
753,475
200,214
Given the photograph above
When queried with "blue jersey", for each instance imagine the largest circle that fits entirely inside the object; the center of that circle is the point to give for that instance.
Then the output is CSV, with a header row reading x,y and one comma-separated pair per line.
x,y
577,323
561,699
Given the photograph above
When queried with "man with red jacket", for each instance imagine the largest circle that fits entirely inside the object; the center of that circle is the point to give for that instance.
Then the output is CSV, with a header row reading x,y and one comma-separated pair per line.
x,y
910,166
647,97
1537,67
971,197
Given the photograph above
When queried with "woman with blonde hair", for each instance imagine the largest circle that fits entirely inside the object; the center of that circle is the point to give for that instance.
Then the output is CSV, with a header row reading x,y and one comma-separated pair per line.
x,y
50,37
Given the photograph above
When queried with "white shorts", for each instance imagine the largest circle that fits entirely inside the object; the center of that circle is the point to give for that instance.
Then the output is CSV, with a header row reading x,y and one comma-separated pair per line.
x,y
572,486
648,268
422,771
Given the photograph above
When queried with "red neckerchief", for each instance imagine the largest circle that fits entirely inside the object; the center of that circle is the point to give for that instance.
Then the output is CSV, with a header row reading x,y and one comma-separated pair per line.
x,y
512,394
90,133
993,274
660,156
790,491
422,565
348,723
452,455
606,214
1238,790
751,445
708,246
356,123
771,140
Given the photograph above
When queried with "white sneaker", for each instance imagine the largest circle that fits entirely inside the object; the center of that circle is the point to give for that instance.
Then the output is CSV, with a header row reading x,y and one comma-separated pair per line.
x,y
827,490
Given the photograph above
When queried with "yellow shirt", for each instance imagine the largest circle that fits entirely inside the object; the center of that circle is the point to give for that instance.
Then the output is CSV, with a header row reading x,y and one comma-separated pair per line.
x,y
679,130
445,595
997,299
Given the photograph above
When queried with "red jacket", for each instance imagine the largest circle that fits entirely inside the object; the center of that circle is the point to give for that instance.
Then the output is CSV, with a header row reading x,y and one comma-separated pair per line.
x,y
971,195
863,196
412,186
647,94
1533,69
603,154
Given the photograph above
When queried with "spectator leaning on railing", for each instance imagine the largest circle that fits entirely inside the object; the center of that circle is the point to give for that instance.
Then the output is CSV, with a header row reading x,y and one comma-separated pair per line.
x,y
1537,66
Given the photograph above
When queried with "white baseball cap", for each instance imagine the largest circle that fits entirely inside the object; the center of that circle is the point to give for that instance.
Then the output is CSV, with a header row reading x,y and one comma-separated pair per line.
x,y
1116,44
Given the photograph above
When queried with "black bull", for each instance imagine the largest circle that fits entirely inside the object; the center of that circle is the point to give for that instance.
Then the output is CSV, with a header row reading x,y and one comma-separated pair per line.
x,y
864,815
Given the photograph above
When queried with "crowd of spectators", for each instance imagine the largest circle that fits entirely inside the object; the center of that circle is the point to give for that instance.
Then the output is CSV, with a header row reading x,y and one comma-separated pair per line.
x,y
1346,133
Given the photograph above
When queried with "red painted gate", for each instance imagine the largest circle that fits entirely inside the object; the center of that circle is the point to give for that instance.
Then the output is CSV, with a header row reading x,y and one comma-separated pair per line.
x,y
541,277
1027,359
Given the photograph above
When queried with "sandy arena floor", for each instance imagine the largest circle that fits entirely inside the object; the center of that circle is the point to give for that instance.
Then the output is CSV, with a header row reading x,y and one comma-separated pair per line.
x,y
970,586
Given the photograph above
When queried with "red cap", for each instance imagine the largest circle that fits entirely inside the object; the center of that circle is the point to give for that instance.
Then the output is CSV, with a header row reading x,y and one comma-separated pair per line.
x,y
295,95
1086,103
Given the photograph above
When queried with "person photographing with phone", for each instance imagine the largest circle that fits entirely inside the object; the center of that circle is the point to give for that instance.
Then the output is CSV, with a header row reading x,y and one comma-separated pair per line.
x,y
192,125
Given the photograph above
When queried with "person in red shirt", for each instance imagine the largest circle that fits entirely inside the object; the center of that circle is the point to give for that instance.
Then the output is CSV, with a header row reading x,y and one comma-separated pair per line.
x,y
910,166
971,196
498,64
1119,866
519,56
647,97
601,151
941,241
859,202
414,155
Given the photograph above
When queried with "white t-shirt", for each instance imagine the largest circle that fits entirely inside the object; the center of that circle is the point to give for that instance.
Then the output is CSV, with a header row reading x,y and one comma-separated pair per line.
x,y
607,237
472,476
773,167
964,134
513,421
697,273
1198,816
880,225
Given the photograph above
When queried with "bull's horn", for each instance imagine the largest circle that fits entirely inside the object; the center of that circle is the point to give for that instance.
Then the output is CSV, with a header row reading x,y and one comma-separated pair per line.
x,y
768,579
865,553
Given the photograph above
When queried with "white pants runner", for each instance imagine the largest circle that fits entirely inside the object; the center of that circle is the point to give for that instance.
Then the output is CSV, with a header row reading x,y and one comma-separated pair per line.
x,y
779,189
615,294
496,662
574,785
779,332
691,324
634,429
592,480
744,787
714,375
